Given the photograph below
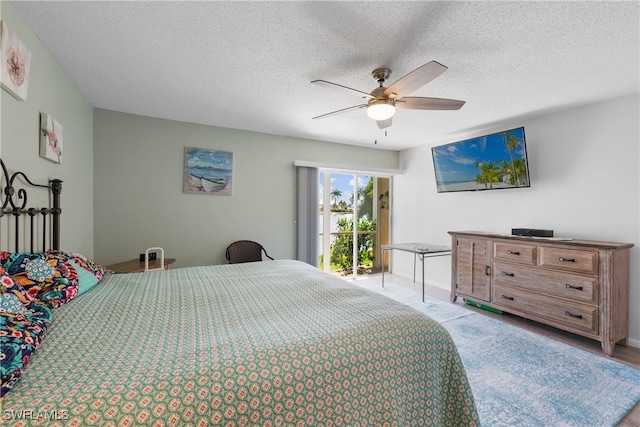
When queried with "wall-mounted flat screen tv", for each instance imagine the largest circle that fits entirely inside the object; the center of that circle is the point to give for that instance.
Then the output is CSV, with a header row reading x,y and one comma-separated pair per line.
x,y
488,162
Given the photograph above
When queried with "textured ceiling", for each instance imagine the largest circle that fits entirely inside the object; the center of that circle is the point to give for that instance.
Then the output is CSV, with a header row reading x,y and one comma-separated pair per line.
x,y
248,65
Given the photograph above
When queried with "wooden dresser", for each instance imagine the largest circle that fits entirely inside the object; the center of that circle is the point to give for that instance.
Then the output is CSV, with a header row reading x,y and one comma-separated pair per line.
x,y
581,286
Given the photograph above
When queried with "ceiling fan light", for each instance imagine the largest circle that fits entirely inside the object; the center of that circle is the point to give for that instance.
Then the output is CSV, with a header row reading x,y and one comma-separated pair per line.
x,y
381,109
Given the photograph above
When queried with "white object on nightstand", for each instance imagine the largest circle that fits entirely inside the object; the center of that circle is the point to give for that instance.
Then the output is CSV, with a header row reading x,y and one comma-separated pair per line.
x,y
146,259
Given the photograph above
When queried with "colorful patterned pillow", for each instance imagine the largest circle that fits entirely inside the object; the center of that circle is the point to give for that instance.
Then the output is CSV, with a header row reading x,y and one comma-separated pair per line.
x,y
13,299
6,282
10,303
4,257
45,277
90,273
84,262
20,336
86,280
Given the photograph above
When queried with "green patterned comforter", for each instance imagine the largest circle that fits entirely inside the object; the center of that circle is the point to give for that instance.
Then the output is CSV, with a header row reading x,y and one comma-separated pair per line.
x,y
260,344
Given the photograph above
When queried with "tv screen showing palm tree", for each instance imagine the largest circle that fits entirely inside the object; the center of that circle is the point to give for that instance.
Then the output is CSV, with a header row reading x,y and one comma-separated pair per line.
x,y
489,162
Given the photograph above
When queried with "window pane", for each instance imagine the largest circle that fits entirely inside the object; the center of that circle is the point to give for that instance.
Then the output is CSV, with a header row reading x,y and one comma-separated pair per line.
x,y
341,223
367,216
342,196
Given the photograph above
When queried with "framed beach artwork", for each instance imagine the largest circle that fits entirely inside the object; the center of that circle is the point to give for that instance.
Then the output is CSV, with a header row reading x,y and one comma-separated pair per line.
x,y
208,171
15,60
50,138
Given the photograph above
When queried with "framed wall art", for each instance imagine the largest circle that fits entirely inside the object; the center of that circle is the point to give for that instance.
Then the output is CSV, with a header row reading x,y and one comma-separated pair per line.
x,y
15,60
50,138
208,171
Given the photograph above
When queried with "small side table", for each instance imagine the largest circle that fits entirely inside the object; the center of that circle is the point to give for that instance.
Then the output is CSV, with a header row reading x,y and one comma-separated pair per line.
x,y
419,250
137,266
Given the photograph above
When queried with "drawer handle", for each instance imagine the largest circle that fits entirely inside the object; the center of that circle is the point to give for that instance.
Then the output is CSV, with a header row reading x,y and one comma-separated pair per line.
x,y
577,288
487,270
567,259
577,316
513,253
508,274
510,298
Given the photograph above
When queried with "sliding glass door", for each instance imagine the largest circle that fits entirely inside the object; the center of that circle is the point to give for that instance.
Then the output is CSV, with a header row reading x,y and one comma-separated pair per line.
x,y
354,222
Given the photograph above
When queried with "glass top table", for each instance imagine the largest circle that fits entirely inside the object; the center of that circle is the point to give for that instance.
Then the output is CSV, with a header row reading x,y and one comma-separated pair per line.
x,y
419,250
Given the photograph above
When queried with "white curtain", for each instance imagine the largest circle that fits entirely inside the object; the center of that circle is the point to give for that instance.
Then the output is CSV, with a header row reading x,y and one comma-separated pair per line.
x,y
308,215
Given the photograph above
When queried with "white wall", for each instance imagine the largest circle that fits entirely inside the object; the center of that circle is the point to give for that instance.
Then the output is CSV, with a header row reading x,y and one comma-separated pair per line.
x,y
585,183
51,91
139,199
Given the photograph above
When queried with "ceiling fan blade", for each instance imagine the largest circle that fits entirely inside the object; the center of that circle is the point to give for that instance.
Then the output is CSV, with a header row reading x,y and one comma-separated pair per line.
x,y
383,124
344,110
419,103
343,89
416,79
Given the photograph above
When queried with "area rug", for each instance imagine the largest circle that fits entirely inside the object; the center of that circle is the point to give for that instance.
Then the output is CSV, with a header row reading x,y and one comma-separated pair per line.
x,y
520,378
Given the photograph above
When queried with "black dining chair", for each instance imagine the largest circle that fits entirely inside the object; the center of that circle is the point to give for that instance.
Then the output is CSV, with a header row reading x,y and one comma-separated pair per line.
x,y
245,251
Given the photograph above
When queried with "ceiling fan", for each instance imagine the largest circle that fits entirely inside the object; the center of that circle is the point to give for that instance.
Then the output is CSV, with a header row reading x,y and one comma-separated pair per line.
x,y
383,101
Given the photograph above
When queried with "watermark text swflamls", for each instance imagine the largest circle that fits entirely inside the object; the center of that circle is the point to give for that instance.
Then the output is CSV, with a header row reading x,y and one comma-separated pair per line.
x,y
32,415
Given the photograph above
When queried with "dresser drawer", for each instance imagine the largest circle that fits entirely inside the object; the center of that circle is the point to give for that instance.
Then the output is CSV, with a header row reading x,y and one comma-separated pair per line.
x,y
569,259
553,283
557,312
517,252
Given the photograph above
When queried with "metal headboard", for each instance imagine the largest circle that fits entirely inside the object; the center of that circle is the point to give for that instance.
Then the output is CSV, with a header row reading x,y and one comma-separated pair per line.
x,y
14,205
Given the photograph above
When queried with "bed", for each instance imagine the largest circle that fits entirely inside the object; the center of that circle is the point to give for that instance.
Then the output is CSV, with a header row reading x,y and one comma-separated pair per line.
x,y
262,344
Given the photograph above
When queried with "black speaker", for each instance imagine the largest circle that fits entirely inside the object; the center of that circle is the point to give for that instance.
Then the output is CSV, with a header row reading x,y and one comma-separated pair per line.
x,y
531,232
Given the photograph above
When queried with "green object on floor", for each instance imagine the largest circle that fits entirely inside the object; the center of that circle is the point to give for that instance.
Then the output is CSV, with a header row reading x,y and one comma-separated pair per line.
x,y
482,306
